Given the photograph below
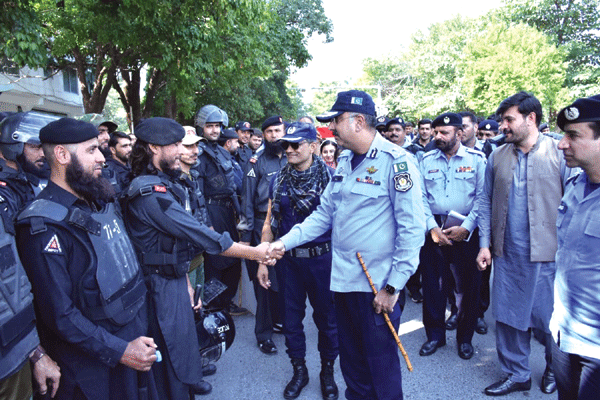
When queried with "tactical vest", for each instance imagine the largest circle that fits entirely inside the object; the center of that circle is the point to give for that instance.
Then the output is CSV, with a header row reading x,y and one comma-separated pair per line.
x,y
171,257
121,288
18,336
225,165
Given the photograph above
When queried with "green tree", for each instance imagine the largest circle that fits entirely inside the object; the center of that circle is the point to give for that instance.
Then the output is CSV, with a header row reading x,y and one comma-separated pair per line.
x,y
505,60
22,41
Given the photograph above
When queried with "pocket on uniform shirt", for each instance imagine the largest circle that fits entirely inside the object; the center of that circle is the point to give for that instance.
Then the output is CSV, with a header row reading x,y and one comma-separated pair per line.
x,y
593,228
367,189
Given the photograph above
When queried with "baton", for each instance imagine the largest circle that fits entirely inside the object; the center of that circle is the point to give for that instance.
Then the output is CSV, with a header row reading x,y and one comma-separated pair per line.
x,y
385,315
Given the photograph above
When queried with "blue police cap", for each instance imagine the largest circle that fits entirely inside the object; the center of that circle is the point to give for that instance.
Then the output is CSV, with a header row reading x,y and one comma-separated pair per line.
x,y
447,119
355,101
229,134
488,125
299,131
274,120
67,131
159,131
243,126
396,121
582,110
381,121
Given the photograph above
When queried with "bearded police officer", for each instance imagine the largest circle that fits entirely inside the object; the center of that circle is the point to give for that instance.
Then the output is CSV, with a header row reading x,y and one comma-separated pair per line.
x,y
167,237
255,199
217,179
374,206
88,288
306,270
575,322
452,182
19,341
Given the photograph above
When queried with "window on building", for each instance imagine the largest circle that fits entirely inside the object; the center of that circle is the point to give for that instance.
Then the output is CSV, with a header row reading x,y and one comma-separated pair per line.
x,y
70,81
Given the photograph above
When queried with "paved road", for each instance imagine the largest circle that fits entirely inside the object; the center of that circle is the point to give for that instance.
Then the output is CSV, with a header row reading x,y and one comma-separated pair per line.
x,y
246,373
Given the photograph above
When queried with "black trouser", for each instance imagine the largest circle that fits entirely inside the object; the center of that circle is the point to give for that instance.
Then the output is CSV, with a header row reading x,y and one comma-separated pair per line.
x,y
439,264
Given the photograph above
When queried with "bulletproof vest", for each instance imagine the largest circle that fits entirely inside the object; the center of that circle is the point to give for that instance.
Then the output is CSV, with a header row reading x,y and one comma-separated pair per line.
x,y
121,287
17,317
225,166
111,176
171,257
19,184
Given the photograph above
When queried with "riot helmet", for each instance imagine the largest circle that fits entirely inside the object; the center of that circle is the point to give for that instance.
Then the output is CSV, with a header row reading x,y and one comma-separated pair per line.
x,y
216,332
210,114
21,128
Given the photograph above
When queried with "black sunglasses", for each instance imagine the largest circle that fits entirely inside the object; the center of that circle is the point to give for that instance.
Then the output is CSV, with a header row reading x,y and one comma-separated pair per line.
x,y
285,144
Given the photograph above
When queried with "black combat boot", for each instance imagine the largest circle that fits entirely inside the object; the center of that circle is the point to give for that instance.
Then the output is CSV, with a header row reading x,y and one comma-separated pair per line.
x,y
298,381
328,387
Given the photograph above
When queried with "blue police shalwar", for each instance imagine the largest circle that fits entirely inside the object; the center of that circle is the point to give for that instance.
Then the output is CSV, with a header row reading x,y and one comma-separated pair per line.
x,y
575,323
451,185
375,209
300,277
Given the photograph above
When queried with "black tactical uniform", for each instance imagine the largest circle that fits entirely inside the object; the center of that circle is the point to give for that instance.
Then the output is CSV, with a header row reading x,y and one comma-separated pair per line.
x,y
118,175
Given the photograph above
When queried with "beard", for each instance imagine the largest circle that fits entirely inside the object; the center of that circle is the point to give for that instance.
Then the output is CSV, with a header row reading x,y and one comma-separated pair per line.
x,y
40,172
273,148
86,185
168,169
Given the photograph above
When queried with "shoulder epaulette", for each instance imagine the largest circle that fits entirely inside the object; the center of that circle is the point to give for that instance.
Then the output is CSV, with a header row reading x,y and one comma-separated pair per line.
x,y
475,151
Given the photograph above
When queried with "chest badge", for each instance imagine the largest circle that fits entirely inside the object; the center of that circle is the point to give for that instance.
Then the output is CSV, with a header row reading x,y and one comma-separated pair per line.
x,y
402,182
372,169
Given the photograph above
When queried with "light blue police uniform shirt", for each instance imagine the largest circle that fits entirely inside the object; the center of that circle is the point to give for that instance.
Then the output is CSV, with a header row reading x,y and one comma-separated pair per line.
x,y
576,313
452,185
376,210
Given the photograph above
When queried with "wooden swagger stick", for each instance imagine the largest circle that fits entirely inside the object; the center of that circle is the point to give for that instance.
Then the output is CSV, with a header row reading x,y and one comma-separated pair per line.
x,y
385,315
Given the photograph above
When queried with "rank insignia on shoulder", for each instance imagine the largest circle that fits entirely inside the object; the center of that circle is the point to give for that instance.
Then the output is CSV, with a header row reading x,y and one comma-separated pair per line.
x,y
373,153
160,189
337,178
2,183
400,167
53,246
372,169
402,182
368,180
251,173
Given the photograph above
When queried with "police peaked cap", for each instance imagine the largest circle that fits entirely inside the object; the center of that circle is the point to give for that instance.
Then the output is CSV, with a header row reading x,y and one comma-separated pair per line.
x,y
274,120
68,131
395,121
582,110
159,131
447,119
488,125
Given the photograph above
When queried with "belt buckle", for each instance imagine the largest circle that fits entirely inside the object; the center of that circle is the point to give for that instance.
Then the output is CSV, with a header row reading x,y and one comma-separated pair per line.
x,y
302,253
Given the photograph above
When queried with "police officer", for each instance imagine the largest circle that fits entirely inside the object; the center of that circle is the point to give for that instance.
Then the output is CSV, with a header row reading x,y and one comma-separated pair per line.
x,y
105,129
244,152
90,300
374,206
306,270
453,177
166,237
576,356
255,199
487,129
19,341
116,168
217,179
395,131
423,140
229,140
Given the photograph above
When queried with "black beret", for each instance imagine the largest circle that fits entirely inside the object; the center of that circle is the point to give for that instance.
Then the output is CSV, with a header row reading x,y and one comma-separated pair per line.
x,y
274,120
159,131
582,110
229,134
448,119
67,131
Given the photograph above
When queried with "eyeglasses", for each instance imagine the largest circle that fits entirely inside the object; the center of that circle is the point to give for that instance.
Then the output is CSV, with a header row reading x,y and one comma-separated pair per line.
x,y
337,120
295,146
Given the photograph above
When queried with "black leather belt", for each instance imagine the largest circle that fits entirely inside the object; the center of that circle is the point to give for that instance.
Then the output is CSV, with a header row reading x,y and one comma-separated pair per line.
x,y
310,252
225,202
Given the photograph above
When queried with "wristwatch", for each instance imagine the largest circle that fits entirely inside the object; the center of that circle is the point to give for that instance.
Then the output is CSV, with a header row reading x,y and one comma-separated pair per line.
x,y
391,290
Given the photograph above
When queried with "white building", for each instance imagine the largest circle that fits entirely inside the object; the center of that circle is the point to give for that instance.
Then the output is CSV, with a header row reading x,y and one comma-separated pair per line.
x,y
28,89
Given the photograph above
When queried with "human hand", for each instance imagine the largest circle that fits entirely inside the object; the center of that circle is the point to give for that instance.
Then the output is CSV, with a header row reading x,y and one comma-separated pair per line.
x,y
456,233
263,276
263,254
385,302
439,237
277,249
192,293
44,370
140,354
484,258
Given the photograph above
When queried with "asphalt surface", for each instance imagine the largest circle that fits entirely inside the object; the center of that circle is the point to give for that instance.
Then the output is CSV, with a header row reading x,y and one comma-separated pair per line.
x,y
246,373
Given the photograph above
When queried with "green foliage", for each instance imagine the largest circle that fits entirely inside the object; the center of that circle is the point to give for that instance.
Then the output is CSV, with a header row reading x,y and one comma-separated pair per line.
x,y
504,61
21,32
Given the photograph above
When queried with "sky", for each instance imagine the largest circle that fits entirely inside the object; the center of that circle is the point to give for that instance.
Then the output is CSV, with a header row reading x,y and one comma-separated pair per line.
x,y
385,27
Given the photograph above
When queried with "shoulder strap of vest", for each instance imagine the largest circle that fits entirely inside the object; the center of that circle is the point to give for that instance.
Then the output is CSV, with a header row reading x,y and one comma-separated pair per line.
x,y
144,185
42,210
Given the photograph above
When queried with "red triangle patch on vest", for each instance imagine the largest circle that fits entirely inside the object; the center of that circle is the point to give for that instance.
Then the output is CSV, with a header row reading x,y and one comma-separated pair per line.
x,y
53,246
160,189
